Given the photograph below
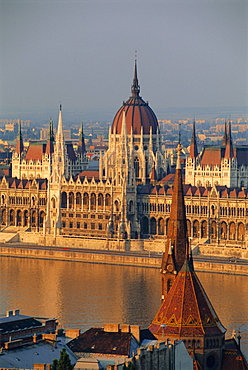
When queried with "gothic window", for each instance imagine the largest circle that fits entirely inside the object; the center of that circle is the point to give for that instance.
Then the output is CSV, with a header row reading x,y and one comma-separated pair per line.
x,y
100,201
12,217
232,231
146,167
161,226
204,231
25,218
86,200
19,218
41,219
131,206
93,201
78,200
108,201
241,231
223,230
213,230
63,200
33,219
54,203
144,226
153,226
71,200
195,229
117,206
136,167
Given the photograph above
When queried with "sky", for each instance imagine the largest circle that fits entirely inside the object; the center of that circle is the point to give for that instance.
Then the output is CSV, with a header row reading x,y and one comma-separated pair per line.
x,y
81,53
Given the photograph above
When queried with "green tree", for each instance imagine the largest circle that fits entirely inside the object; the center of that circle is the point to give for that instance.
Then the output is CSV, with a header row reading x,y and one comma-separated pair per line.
x,y
64,362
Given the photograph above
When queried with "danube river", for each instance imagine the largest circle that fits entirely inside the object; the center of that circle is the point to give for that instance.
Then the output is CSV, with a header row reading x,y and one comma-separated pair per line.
x,y
81,295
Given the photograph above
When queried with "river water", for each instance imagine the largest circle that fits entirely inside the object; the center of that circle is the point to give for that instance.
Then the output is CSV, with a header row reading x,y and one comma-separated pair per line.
x,y
82,295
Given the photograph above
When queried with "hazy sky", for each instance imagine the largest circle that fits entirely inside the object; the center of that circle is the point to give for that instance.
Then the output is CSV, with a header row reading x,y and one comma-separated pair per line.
x,y
81,53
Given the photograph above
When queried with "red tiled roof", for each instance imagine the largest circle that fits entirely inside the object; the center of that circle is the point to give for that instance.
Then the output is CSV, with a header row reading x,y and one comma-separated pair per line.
x,y
89,174
186,311
96,340
35,151
211,156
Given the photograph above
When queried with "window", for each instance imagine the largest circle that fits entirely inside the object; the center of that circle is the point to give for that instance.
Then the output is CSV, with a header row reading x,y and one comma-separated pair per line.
x,y
78,225
100,226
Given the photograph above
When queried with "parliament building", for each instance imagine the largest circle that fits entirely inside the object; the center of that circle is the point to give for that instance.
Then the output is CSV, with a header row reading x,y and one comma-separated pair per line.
x,y
53,192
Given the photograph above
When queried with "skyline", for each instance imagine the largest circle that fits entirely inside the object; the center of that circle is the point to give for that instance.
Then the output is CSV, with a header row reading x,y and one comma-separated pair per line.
x,y
190,54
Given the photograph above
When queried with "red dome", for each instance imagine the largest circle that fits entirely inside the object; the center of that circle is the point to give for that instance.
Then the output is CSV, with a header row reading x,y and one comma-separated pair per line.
x,y
138,114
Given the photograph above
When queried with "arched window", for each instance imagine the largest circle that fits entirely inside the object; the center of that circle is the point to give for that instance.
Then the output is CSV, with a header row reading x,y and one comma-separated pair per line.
x,y
241,231
213,230
223,230
136,167
78,200
93,201
100,201
86,200
232,231
144,226
131,206
108,201
153,226
161,226
63,200
71,200
195,229
204,230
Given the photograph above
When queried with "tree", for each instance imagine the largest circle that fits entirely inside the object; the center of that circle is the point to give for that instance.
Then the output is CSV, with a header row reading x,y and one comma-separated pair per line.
x,y
64,362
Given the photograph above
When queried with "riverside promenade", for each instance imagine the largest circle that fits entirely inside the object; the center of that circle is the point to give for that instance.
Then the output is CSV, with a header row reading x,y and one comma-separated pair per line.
x,y
202,263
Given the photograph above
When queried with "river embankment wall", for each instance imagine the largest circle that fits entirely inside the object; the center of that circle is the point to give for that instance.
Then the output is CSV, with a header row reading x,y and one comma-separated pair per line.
x,y
144,253
57,253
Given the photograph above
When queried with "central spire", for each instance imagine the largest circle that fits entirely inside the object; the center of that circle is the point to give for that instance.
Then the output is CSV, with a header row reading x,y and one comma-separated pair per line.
x,y
135,87
177,245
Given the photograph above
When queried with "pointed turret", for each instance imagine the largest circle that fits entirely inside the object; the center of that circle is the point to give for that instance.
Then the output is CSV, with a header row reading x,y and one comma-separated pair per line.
x,y
135,87
59,155
177,245
50,139
19,142
81,142
224,139
229,154
193,152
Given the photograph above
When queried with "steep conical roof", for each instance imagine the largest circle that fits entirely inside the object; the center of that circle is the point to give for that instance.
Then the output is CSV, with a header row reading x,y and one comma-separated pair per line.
x,y
177,228
193,152
50,139
229,146
186,311
224,139
81,142
19,142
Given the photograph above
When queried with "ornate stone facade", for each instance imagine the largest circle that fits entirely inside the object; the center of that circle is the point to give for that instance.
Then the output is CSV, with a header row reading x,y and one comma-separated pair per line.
x,y
128,197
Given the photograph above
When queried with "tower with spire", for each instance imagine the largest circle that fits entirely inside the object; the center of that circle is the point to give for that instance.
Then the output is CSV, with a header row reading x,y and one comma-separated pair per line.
x,y
186,312
177,241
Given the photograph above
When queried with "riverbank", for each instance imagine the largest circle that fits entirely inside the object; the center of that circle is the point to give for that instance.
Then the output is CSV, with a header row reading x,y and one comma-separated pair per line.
x,y
141,259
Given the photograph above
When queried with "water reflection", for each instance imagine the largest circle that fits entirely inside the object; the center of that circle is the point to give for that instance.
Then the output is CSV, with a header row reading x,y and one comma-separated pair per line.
x,y
84,295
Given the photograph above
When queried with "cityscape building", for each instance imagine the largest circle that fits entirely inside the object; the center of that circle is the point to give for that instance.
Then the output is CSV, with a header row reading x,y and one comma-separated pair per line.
x,y
53,192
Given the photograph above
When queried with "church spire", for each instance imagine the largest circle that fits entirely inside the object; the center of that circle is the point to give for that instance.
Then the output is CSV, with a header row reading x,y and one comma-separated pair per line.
x,y
229,146
135,87
193,152
224,139
81,142
50,139
177,245
19,142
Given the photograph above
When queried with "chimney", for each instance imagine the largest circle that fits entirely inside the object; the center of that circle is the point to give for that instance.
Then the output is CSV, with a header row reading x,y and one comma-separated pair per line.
x,y
16,312
135,330
9,313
